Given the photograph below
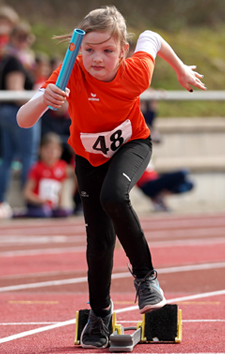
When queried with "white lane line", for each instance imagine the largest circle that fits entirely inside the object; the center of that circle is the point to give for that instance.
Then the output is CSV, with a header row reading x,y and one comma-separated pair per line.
x,y
27,323
183,321
43,251
43,284
37,330
182,233
178,269
78,225
182,223
121,321
197,321
42,274
179,299
130,308
188,242
154,244
37,239
42,237
43,230
197,296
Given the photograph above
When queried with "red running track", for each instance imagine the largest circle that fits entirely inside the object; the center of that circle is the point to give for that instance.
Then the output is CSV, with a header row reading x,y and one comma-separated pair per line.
x,y
43,282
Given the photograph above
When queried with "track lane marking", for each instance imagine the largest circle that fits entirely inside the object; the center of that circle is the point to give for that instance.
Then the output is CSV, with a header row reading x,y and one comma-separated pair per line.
x,y
43,251
149,231
165,222
178,269
130,308
153,244
37,330
182,233
121,321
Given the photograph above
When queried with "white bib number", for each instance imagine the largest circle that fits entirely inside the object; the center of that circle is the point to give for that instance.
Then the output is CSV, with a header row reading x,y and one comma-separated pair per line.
x,y
107,143
49,189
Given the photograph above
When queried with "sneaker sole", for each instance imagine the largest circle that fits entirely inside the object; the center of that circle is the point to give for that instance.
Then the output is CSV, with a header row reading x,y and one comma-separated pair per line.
x,y
91,346
149,308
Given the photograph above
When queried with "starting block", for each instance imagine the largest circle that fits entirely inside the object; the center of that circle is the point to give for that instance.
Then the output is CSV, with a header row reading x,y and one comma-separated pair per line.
x,y
159,326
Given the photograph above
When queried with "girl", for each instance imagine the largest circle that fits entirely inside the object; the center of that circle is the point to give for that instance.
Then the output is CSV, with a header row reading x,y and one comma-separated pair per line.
x,y
44,187
113,147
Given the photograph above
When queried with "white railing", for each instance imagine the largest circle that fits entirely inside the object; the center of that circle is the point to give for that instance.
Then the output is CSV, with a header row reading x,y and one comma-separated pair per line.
x,y
184,95
147,95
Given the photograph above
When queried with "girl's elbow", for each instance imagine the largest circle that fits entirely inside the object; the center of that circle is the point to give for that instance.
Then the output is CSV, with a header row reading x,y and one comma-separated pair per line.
x,y
18,119
21,121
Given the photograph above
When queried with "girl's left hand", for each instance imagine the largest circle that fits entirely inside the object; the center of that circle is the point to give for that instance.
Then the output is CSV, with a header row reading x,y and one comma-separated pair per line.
x,y
188,77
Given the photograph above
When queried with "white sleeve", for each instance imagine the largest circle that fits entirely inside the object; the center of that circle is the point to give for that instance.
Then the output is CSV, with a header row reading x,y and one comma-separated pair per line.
x,y
149,42
39,93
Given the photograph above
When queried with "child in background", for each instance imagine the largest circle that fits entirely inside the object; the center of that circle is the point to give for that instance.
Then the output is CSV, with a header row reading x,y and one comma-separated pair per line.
x,y
44,186
112,147
156,186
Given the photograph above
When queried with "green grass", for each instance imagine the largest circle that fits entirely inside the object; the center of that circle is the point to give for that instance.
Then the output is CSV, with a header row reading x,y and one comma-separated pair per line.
x,y
191,109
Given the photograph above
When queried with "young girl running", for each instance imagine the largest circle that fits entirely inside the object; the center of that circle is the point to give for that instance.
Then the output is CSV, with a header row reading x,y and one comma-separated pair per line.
x,y
113,147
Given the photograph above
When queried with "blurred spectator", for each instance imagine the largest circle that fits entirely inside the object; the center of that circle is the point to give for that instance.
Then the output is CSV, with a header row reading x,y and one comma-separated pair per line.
x,y
8,19
19,45
149,111
42,69
59,123
16,74
148,107
157,186
55,61
44,186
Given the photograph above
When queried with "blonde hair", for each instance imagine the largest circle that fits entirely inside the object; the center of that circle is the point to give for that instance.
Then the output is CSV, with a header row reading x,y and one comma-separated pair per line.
x,y
8,13
104,19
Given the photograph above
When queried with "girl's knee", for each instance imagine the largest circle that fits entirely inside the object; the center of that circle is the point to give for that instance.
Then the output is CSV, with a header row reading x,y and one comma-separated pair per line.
x,y
113,201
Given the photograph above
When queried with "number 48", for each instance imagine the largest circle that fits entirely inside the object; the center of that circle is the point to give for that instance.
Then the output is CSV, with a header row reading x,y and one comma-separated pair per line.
x,y
116,138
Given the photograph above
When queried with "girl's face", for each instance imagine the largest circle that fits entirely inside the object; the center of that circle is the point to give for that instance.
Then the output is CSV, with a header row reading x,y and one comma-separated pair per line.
x,y
101,55
50,153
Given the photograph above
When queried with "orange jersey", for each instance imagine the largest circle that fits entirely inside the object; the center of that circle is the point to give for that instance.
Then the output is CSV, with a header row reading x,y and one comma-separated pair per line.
x,y
106,115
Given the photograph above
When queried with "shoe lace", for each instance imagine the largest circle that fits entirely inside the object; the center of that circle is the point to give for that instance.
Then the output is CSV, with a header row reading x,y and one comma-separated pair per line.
x,y
141,282
98,326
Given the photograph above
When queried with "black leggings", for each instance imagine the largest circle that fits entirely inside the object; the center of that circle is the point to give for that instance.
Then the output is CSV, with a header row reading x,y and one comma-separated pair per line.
x,y
108,212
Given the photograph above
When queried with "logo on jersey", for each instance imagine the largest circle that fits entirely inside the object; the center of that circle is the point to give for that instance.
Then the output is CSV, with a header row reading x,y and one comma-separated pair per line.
x,y
93,97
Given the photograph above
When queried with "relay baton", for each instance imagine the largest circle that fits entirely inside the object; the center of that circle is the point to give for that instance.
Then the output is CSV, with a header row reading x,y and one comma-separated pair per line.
x,y
69,60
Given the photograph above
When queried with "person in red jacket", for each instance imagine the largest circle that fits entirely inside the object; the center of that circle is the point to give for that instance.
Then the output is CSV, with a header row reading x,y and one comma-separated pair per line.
x,y
112,146
44,186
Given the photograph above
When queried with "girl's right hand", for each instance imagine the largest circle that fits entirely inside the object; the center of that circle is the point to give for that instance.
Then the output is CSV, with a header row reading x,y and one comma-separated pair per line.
x,y
54,96
188,77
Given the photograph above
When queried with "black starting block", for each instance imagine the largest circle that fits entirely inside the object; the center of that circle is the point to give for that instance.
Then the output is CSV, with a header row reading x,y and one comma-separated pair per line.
x,y
159,326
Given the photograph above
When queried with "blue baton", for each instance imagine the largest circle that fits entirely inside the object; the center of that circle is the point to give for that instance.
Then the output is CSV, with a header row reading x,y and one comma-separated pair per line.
x,y
69,60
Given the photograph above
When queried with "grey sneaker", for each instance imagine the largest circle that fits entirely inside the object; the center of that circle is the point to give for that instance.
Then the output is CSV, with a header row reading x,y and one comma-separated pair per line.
x,y
97,331
150,295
